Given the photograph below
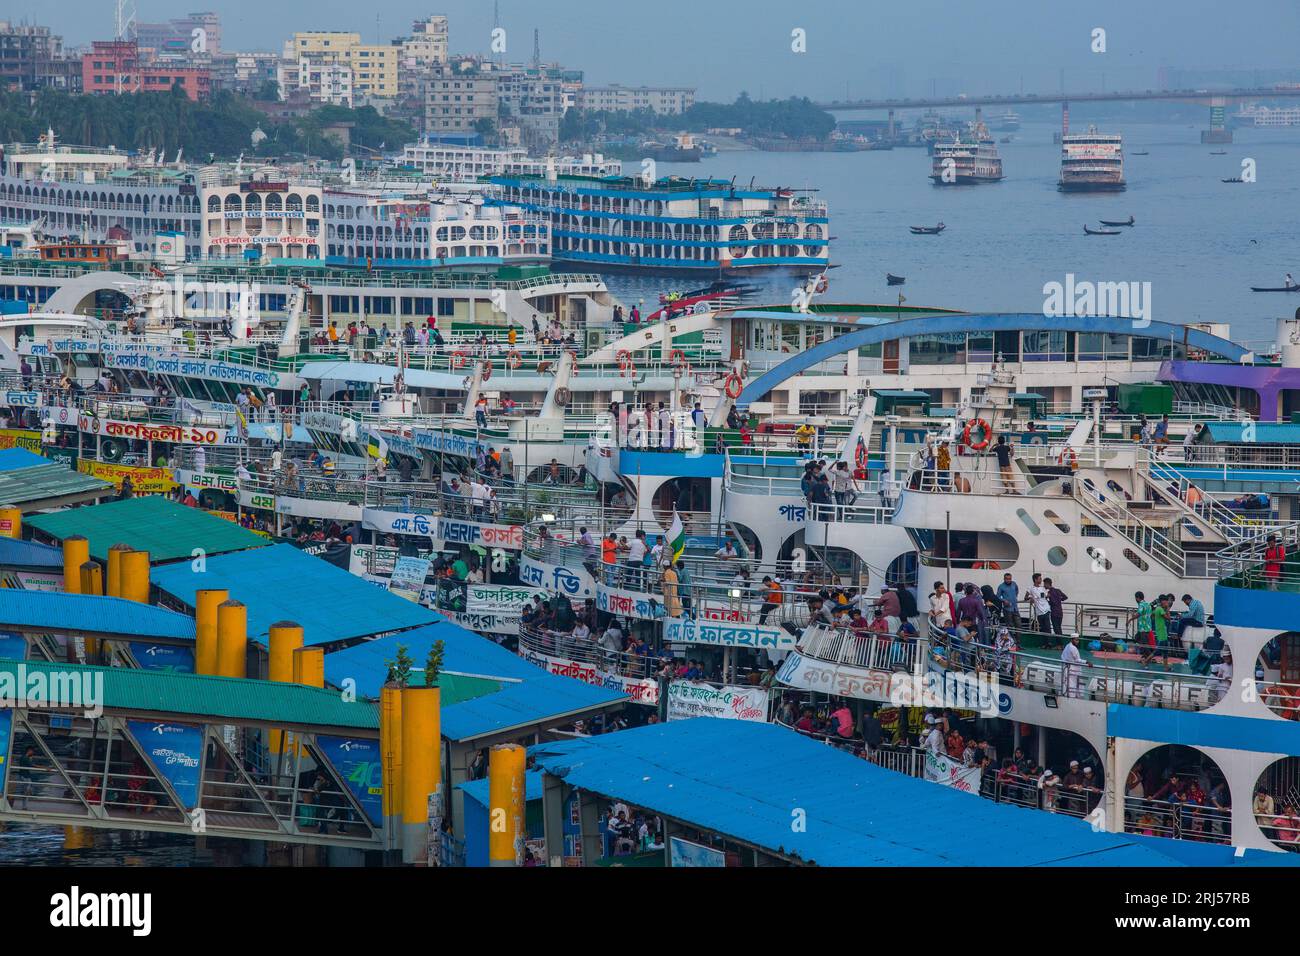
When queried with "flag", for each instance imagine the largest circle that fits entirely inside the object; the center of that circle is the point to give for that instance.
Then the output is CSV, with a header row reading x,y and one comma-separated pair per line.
x,y
676,536
372,447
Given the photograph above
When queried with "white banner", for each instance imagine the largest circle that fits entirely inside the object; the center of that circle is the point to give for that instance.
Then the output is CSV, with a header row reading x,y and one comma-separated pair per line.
x,y
695,699
940,768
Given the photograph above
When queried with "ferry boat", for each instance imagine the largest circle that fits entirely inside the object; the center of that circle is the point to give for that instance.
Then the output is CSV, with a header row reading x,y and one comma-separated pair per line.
x,y
960,164
675,224
1009,122
1092,162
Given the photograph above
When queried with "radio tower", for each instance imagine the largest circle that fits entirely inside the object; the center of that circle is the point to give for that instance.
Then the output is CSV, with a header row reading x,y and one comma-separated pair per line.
x,y
124,21
537,48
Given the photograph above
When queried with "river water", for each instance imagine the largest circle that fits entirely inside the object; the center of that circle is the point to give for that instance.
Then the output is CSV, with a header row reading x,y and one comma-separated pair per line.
x,y
1201,243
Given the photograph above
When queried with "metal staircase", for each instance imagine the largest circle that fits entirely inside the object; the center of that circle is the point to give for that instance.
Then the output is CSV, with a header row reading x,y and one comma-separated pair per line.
x,y
1157,543
1173,487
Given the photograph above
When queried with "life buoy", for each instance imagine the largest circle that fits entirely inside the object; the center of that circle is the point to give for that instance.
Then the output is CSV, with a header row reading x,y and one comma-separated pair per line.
x,y
986,566
1068,457
860,455
985,431
573,371
514,359
487,371
734,386
561,396
458,358
677,358
624,359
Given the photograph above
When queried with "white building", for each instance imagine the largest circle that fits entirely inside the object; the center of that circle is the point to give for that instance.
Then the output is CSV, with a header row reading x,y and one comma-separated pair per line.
x,y
325,81
665,100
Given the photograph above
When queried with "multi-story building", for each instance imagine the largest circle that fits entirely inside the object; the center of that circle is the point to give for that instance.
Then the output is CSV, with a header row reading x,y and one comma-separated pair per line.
x,y
23,50
374,67
323,80
531,98
117,66
665,100
457,97
417,54
194,33
245,72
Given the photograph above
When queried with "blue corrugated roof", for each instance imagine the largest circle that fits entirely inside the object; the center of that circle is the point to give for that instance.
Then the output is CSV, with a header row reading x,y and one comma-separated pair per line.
x,y
751,781
1195,729
282,583
29,554
528,694
1263,433
12,459
88,612
477,790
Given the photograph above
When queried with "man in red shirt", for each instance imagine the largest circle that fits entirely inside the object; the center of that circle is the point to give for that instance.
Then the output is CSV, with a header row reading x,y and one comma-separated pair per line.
x,y
1274,556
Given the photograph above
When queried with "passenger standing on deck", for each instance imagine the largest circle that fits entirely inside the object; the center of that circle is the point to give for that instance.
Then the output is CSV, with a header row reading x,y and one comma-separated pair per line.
x,y
773,598
1039,607
1004,454
1071,666
1274,558
1056,599
972,606
1008,596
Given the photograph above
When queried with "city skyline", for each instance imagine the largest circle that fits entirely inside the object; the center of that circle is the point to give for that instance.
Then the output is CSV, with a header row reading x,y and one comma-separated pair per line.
x,y
932,46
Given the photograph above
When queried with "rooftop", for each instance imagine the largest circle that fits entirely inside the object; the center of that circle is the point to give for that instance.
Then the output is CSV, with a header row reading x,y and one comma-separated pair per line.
x,y
749,780
57,611
166,529
283,583
33,481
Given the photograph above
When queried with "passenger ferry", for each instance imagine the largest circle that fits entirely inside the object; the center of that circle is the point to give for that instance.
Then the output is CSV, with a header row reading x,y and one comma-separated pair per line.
x,y
1092,162
676,224
961,164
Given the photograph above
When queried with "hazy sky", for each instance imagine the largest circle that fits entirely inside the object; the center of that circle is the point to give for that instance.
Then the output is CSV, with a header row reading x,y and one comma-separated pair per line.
x,y
721,47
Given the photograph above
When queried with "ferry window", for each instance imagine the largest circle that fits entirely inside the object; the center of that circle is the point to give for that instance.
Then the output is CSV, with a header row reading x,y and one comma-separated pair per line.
x,y
1057,556
1056,520
791,337
1029,522
1156,349
1099,559
446,307
1135,559
417,305
870,351
1098,346
979,347
1044,346
937,348
1006,345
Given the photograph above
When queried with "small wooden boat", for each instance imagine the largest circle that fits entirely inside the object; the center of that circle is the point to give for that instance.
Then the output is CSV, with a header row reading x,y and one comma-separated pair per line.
x,y
893,279
1140,154
1280,288
1234,179
1101,232
1107,222
1218,152
927,230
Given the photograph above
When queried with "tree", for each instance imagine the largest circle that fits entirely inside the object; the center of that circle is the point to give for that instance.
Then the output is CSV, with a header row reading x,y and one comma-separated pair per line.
x,y
433,664
399,668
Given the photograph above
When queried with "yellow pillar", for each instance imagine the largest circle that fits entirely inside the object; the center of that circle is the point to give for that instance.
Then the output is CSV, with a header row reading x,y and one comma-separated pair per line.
x,y
232,639
11,522
113,575
205,628
309,666
92,578
506,765
283,638
390,756
76,552
421,767
133,566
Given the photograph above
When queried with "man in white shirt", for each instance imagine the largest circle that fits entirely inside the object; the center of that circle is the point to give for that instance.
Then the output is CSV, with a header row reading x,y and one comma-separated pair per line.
x,y
636,551
727,551
1039,605
1071,666
479,494
940,605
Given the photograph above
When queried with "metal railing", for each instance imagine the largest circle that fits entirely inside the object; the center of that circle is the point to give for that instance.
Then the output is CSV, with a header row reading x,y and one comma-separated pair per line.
x,y
873,650
1177,819
1245,563
557,643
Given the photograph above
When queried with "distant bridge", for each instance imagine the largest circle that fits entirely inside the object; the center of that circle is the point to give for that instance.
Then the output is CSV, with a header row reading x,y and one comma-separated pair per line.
x,y
1213,97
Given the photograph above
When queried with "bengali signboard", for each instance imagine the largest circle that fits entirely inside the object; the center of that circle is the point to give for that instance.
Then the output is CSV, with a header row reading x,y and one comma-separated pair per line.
x,y
20,438
175,751
408,576
696,699
144,431
685,853
682,630
489,608
647,607
194,368
506,536
571,582
22,399
643,690
145,481
858,682
940,768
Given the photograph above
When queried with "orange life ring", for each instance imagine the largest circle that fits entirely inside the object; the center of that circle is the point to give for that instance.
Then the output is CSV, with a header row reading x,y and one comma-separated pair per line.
x,y
487,371
459,358
624,359
860,455
986,566
734,386
985,430
514,359
1068,457
678,358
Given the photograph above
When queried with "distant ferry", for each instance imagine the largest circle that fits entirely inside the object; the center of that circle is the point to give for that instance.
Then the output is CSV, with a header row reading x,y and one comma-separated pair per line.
x,y
1092,162
959,164
1009,122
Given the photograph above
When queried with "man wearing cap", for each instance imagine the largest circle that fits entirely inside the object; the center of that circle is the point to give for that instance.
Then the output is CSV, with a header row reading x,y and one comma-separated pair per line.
x,y
1071,667
1074,779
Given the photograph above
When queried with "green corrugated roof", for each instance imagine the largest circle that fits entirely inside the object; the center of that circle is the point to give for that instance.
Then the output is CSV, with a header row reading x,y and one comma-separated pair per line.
x,y
49,480
166,529
194,695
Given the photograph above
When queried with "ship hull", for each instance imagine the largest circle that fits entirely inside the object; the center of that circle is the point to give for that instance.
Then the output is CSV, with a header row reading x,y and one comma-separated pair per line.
x,y
1091,187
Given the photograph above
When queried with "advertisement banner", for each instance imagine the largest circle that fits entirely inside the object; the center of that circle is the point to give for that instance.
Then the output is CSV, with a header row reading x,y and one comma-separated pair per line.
x,y
163,657
358,764
685,853
144,431
695,699
175,750
145,481
940,768
643,690
679,630
20,438
808,674
408,577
